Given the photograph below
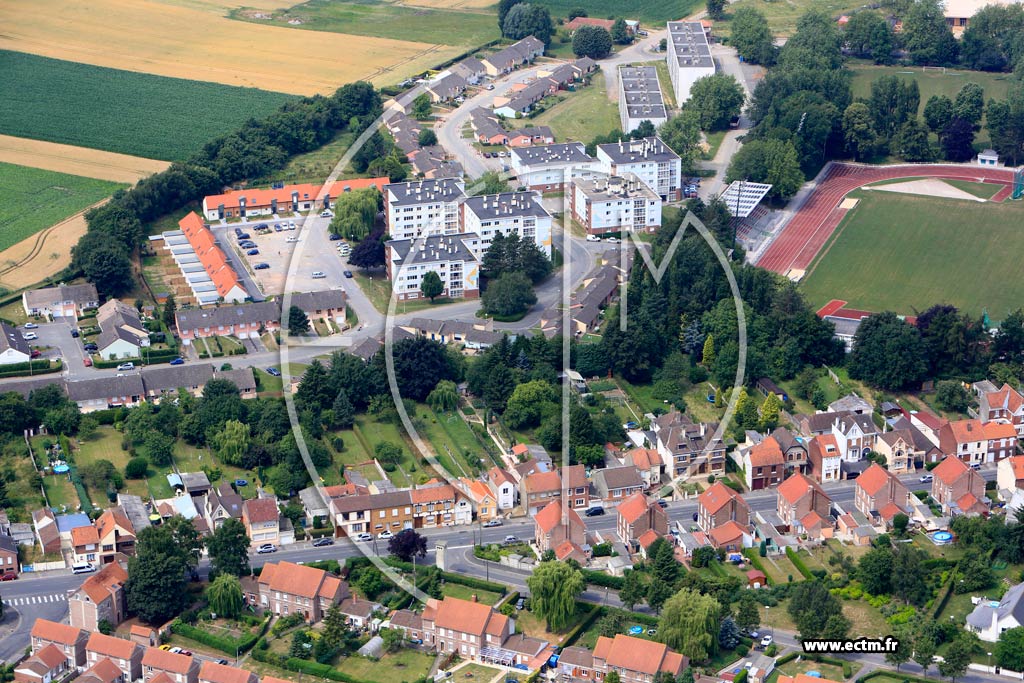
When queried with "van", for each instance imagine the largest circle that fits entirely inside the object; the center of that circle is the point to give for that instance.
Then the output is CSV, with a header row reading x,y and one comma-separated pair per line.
x,y
83,568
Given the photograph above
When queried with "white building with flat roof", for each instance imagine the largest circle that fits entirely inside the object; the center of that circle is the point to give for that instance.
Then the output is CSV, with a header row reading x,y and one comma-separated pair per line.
x,y
640,97
615,205
688,55
548,167
423,207
649,159
509,212
453,257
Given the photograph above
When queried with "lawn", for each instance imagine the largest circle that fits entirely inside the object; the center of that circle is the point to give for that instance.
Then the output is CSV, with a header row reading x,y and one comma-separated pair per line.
x,y
404,665
782,16
60,492
381,19
668,90
983,190
802,666
581,115
370,433
653,12
106,445
377,289
451,438
312,166
906,253
457,590
121,111
931,83
32,199
191,459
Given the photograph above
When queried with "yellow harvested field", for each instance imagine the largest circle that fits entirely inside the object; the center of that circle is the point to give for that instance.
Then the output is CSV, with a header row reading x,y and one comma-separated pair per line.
x,y
83,161
196,42
42,255
451,4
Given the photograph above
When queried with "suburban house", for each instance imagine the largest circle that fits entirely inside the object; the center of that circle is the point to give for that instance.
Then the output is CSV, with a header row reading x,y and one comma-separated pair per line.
x,y
212,672
103,671
635,660
538,489
531,135
262,520
555,525
855,434
125,655
879,495
45,526
423,207
521,100
959,489
503,486
794,448
68,639
484,500
85,545
287,199
1003,405
965,439
471,69
453,257
637,515
373,513
615,204
648,159
9,564
475,335
615,484
825,460
513,56
1010,474
43,666
116,534
358,612
179,668
122,334
506,213
221,505
574,24
13,346
63,301
687,448
991,618
202,262
325,304
801,502
689,57
242,322
648,464
762,463
575,487
445,87
719,505
549,168
285,588
486,129
437,504
1001,441
101,597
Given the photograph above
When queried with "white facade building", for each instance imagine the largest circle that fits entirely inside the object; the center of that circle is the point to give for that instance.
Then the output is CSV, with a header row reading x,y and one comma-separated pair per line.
x,y
640,97
689,57
425,207
547,167
650,160
509,212
13,347
452,257
615,204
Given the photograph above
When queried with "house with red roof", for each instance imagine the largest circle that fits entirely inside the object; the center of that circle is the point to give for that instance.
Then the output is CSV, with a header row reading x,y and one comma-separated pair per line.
x,y
825,459
538,489
1001,441
637,515
436,504
104,670
879,495
798,497
554,524
116,534
68,639
465,627
262,520
720,504
285,200
124,654
101,597
483,499
1010,474
205,253
959,489
763,464
1004,405
178,668
46,665
85,545
648,464
636,660
503,486
212,672
575,486
965,439
285,588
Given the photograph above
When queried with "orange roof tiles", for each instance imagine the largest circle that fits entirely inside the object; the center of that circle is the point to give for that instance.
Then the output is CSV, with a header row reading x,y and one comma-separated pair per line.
x,y
499,476
803,678
728,533
114,517
104,671
798,486
574,476
638,654
295,579
520,449
222,673
965,431
1017,465
550,516
645,458
258,198
950,469
873,479
718,496
478,490
466,616
109,646
568,549
56,632
647,538
432,494
828,444
812,520
967,502
766,453
542,482
51,655
889,510
161,678
1006,397
210,255
633,508
166,661
85,535
101,585
261,510
999,430
140,630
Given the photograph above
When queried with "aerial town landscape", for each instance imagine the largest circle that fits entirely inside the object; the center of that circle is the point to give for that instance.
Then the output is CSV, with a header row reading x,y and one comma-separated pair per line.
x,y
380,341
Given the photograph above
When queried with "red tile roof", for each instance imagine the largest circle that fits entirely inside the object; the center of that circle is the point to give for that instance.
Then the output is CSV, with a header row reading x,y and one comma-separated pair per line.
x,y
542,482
873,479
967,501
889,510
639,655
965,431
766,453
103,584
432,494
114,517
498,476
297,579
633,508
51,656
645,458
1016,463
222,673
210,255
466,616
166,661
795,488
589,21
647,538
256,198
261,510
550,516
729,533
718,496
109,646
56,632
1006,398
104,671
999,430
950,469
85,535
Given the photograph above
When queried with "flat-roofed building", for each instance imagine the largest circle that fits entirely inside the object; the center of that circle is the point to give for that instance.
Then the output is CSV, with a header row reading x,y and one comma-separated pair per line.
x,y
615,204
640,97
506,213
649,159
689,57
423,207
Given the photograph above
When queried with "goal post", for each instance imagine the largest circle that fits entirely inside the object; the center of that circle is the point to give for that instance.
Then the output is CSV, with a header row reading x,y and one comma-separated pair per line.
x,y
940,69
1018,183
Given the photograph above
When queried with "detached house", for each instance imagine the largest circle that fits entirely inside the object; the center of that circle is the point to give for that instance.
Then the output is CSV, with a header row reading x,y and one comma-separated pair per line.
x,y
124,654
122,333
103,671
101,597
615,484
116,534
959,489
262,520
899,450
554,526
879,495
719,505
802,503
637,515
503,486
688,448
63,301
763,464
285,588
222,505
70,640
1004,405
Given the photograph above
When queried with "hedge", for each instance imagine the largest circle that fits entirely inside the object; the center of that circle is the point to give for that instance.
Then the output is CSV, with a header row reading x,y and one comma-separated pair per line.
x,y
231,646
588,619
152,357
893,674
946,595
601,579
468,581
753,556
741,677
798,563
35,367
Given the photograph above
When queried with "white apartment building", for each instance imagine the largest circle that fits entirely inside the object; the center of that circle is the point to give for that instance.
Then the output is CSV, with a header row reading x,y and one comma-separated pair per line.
x,y
423,207
453,257
615,204
688,55
509,212
650,160
640,97
546,167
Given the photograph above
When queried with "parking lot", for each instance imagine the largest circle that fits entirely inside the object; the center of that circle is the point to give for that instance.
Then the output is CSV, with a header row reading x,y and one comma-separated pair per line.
x,y
57,337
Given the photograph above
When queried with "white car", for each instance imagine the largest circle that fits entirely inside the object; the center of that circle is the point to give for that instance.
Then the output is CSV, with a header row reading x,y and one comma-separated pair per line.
x,y
291,225
326,213
364,537
593,238
490,86
926,478
29,336
292,238
319,275
385,535
612,240
30,326
766,641
124,367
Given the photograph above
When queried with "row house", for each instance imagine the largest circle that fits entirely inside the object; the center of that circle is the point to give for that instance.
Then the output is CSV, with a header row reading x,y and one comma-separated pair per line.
x,y
538,489
484,501
10,565
70,640
763,464
176,667
1010,475
44,524
438,505
1004,405
575,487
634,660
124,654
503,486
824,458
284,588
637,515
879,495
615,484
512,57
458,626
44,666
959,489
899,451
63,301
85,545
122,332
101,597
802,504
262,520
720,504
246,321
688,448
555,526
976,443
1001,441
212,672
116,534
648,464
104,670
255,202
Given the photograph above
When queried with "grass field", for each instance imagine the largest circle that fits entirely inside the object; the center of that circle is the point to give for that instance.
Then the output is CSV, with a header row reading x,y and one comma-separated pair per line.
x,y
121,111
782,16
931,83
581,116
906,253
384,19
195,39
650,11
32,199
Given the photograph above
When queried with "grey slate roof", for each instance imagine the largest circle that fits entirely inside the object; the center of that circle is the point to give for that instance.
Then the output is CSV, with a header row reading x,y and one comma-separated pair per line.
x,y
263,311
80,294
105,387
617,478
159,378
10,338
435,248
558,153
322,300
425,191
1011,604
505,204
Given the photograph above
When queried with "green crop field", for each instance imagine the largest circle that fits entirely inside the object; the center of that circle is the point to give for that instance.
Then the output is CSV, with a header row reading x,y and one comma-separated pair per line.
x,y
120,111
32,199
905,253
648,11
782,16
385,20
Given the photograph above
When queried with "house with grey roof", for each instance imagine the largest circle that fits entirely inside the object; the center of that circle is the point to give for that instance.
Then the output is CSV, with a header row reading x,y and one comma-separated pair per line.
x,y
365,349
522,101
100,393
161,380
446,87
471,69
122,334
433,162
326,304
478,334
62,301
243,321
513,56
615,484
13,347
991,618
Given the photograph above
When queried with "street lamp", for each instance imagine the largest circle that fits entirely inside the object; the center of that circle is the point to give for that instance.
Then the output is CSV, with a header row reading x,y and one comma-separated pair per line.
x,y
989,661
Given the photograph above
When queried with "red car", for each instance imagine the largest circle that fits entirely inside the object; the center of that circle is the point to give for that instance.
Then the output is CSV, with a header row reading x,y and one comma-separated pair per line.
x,y
8,577
87,361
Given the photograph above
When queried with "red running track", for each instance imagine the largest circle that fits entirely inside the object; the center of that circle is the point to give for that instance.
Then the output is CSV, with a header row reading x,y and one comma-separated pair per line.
x,y
807,232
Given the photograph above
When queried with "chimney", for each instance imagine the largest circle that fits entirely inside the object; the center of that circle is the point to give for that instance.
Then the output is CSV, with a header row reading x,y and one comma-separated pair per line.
x,y
473,598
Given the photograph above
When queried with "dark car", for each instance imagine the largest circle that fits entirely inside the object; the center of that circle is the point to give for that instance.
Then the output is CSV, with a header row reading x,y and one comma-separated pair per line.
x,y
247,244
261,266
274,372
35,353
74,332
178,361
222,661
662,504
334,237
347,273
263,226
594,512
253,252
321,542
90,347
8,577
242,235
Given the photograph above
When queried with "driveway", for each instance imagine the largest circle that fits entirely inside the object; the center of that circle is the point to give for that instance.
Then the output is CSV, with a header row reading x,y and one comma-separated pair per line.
x,y
57,336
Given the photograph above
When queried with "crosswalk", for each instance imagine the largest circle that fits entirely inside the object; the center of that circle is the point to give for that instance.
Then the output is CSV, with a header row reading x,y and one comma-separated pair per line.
x,y
35,599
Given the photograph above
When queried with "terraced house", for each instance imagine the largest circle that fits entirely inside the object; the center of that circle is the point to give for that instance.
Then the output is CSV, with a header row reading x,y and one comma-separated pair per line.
x,y
70,640
635,660
437,505
285,588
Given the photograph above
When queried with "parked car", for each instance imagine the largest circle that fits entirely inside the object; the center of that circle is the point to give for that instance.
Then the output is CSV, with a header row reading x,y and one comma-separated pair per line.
x,y
87,362
273,372
8,577
292,238
291,225
253,252
30,326
385,535
30,336
262,226
35,353
243,235
262,265
520,603
612,240
347,273
90,346
326,213
321,542
975,465
594,512
319,274
593,238
363,537
510,539
926,478
277,227
125,367
222,661
166,647
662,503
247,244
178,361
176,650
266,548
75,333
334,237
492,522
766,641
490,86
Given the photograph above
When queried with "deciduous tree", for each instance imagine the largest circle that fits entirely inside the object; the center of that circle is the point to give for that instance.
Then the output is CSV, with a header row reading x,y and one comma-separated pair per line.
x,y
689,624
752,37
408,544
554,587
431,285
228,547
591,41
716,99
